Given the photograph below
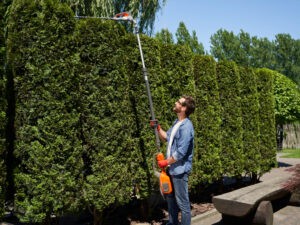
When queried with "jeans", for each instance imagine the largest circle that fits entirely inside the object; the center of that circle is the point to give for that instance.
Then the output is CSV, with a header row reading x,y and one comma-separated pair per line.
x,y
179,201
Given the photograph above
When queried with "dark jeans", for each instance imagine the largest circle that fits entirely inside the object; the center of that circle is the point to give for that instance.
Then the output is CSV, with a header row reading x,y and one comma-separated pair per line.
x,y
179,201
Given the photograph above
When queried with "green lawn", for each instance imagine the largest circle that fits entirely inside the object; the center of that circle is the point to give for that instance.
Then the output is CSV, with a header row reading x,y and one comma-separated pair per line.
x,y
291,153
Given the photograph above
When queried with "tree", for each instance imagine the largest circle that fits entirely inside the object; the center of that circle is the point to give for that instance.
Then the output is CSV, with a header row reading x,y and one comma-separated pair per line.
x,y
262,53
282,55
165,36
196,47
288,56
184,38
287,104
228,46
224,45
144,10
243,52
287,99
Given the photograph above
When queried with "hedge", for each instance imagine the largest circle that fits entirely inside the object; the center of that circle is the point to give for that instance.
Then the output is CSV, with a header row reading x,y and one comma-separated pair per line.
x,y
251,123
41,53
231,127
175,79
3,108
207,164
143,136
106,117
267,147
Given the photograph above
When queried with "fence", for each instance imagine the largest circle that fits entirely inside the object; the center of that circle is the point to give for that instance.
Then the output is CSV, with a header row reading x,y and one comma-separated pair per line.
x,y
291,136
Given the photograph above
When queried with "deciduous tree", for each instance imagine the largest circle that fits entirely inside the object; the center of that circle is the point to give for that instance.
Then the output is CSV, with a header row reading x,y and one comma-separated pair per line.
x,y
184,38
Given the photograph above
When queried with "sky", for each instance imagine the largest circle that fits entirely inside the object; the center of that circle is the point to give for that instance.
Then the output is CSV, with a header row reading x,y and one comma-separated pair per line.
x,y
261,18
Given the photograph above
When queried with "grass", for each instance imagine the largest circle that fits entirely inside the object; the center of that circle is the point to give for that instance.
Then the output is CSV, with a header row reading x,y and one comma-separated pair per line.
x,y
291,153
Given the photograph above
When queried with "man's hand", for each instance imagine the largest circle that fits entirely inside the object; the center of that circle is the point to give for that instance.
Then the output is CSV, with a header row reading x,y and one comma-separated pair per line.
x,y
153,123
163,163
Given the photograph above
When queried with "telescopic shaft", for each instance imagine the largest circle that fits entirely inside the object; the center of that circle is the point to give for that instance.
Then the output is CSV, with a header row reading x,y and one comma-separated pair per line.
x,y
145,73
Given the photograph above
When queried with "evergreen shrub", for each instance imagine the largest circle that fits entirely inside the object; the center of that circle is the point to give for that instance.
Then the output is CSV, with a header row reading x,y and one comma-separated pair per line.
x,y
250,116
207,165
48,178
231,126
267,147
3,108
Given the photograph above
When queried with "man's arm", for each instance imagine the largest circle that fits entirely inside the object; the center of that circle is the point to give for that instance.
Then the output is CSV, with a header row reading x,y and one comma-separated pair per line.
x,y
162,134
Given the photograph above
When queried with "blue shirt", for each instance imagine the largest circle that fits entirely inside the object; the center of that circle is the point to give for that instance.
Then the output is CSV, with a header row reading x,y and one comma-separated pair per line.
x,y
182,147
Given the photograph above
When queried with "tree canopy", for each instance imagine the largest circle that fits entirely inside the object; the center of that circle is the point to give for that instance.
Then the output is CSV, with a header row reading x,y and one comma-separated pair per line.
x,y
287,99
282,54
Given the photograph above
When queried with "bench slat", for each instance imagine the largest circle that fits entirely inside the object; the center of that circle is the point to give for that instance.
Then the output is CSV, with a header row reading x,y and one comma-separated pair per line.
x,y
242,201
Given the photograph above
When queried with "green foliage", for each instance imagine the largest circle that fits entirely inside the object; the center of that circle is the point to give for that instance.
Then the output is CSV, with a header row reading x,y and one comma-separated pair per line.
x,y
184,38
207,166
224,45
231,114
175,79
262,53
105,114
282,55
288,56
41,52
3,107
267,145
143,136
250,115
287,99
165,36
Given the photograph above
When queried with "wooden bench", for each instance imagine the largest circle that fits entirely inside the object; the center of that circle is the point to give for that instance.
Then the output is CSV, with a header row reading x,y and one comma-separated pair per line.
x,y
252,204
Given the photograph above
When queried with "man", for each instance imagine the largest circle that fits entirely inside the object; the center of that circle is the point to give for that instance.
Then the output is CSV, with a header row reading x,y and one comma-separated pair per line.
x,y
180,138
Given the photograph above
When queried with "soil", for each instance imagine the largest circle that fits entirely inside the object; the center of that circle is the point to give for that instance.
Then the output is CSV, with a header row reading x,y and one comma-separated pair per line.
x,y
197,209
161,215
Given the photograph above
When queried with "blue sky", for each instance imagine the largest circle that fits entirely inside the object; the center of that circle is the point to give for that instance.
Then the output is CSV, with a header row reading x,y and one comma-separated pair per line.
x,y
261,18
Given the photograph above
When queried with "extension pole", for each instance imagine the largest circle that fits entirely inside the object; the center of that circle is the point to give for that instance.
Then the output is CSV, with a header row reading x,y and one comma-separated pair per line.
x,y
147,85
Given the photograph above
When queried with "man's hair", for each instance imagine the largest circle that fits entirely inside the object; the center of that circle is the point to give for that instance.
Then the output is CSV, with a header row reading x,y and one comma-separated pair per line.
x,y
189,102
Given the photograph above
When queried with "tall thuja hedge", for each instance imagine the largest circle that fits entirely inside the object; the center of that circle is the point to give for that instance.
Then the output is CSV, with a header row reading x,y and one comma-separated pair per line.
x,y
231,127
207,166
175,79
47,146
250,115
267,146
3,107
143,155
106,118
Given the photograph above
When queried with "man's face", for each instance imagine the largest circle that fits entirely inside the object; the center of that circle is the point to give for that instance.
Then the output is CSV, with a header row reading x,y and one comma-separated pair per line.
x,y
179,105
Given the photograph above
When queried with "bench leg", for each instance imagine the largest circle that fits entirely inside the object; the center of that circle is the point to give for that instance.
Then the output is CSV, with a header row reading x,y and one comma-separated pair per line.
x,y
264,214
